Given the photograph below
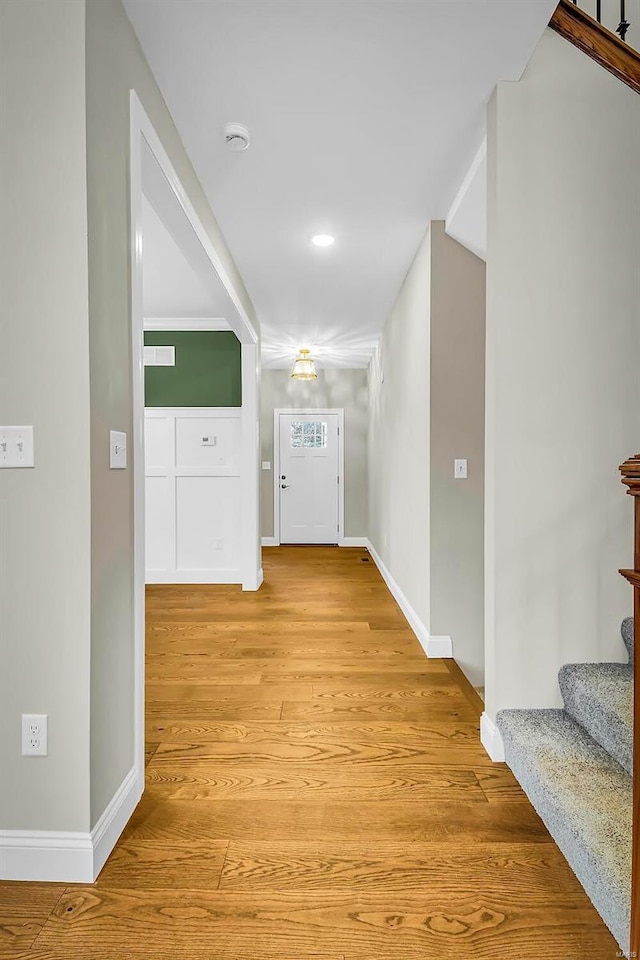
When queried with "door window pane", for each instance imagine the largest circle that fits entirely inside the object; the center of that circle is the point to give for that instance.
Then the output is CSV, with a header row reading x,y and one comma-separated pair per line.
x,y
308,434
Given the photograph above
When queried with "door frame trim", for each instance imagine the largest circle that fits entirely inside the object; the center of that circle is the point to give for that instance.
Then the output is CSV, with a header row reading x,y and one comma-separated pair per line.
x,y
306,412
170,199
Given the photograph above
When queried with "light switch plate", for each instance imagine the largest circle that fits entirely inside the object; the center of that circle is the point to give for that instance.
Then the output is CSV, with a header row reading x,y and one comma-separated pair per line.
x,y
117,450
266,465
460,469
208,441
16,447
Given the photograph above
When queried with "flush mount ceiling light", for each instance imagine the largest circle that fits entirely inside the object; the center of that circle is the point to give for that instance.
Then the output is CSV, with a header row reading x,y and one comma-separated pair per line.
x,y
322,240
237,137
304,368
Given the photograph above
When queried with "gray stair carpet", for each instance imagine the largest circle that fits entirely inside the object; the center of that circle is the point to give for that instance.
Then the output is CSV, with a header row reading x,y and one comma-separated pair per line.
x,y
585,799
627,636
599,696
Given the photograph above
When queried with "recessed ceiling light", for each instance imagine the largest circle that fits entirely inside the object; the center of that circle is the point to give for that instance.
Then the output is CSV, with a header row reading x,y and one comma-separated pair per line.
x,y
322,240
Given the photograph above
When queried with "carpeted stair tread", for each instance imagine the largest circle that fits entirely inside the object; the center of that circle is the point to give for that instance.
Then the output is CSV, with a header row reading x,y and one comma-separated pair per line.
x,y
599,696
585,799
627,636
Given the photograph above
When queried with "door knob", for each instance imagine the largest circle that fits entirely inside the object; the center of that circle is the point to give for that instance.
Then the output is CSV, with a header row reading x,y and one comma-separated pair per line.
x,y
285,486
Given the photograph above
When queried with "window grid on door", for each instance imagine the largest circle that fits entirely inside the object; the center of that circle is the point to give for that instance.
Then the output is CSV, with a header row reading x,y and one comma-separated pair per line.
x,y
308,434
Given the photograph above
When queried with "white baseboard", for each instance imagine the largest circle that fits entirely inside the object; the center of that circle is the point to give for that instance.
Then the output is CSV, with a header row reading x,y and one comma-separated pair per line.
x,y
491,738
104,835
255,583
193,576
344,542
435,647
47,855
440,648
68,857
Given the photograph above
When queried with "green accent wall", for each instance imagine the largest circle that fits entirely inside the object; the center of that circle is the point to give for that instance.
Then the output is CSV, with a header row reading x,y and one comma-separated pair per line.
x,y
207,371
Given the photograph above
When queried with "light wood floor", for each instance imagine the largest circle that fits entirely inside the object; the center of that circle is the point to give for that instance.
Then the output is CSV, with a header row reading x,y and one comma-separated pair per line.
x,y
316,789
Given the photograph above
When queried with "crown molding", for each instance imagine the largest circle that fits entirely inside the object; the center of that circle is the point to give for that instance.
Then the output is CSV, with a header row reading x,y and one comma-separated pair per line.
x,y
186,323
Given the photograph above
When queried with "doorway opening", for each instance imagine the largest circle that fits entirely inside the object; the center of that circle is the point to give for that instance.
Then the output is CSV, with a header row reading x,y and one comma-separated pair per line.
x,y
157,190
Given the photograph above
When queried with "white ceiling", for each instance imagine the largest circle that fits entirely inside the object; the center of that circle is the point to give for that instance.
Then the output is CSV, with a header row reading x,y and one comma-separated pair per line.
x,y
171,288
364,115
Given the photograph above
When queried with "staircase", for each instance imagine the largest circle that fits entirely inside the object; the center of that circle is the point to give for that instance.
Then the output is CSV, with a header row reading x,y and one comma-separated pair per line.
x,y
575,765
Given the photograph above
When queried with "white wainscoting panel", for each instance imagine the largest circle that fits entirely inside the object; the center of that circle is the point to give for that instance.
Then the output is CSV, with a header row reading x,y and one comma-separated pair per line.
x,y
220,453
192,510
160,516
208,523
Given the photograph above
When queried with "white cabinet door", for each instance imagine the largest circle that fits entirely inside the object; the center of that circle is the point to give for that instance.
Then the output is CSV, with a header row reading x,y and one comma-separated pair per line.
x,y
309,480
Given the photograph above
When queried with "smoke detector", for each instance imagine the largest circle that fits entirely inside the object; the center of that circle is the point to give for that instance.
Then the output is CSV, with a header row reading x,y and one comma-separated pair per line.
x,y
236,136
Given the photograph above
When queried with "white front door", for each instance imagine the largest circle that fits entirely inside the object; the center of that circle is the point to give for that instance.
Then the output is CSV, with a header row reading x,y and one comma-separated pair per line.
x,y
309,480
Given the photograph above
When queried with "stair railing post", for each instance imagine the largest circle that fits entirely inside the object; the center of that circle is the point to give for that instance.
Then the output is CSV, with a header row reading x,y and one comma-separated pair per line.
x,y
630,471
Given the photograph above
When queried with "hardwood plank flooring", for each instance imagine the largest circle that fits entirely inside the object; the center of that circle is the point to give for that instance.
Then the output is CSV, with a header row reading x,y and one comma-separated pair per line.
x,y
24,908
204,782
316,790
533,868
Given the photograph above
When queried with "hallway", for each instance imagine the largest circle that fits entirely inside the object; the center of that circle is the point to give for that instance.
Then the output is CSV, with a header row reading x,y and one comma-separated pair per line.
x,y
315,789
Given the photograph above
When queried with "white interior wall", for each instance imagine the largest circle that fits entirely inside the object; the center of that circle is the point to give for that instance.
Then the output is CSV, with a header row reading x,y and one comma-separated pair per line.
x,y
399,437
563,354
426,389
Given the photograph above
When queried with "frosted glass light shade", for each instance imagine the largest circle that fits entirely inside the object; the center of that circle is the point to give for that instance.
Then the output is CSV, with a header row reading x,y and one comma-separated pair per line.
x,y
304,368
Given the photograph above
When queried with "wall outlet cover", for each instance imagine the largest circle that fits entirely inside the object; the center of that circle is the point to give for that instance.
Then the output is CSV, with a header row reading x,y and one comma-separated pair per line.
x,y
34,735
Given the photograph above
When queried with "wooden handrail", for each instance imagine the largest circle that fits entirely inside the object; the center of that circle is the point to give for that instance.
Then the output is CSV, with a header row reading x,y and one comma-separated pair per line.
x,y
630,471
572,23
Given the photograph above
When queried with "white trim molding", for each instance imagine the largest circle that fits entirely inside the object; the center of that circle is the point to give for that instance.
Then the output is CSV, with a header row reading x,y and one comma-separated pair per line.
x,y
491,738
255,582
343,542
186,323
104,835
194,576
434,647
152,172
440,648
466,220
69,857
251,550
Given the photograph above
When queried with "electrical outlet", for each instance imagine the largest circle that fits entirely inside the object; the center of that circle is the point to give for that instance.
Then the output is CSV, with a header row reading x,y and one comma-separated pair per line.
x,y
34,735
